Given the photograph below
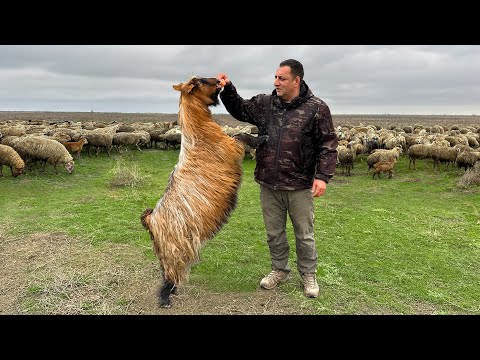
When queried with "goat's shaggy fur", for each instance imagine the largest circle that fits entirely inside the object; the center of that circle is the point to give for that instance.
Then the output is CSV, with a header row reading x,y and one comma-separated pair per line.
x,y
202,189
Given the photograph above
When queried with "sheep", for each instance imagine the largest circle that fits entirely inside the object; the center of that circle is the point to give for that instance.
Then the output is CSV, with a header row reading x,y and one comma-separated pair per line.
x,y
371,143
127,138
101,138
467,159
345,157
13,131
32,147
172,137
75,147
418,151
9,157
384,166
202,190
442,154
155,135
383,155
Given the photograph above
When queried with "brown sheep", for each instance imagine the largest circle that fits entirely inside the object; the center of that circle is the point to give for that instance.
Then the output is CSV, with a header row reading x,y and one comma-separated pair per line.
x,y
384,166
383,155
202,190
75,147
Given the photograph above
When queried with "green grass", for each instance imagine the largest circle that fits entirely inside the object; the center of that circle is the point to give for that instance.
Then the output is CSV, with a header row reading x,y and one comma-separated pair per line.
x,y
405,245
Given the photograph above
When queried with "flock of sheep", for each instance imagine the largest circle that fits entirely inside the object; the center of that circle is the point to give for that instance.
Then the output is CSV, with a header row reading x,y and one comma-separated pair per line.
x,y
23,144
443,145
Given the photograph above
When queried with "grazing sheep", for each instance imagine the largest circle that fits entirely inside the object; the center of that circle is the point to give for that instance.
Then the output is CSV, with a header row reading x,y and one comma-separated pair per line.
x,y
9,157
384,166
202,190
383,155
44,149
75,147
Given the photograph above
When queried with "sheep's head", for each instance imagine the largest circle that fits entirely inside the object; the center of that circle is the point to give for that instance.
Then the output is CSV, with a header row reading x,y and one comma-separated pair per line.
x,y
69,166
17,171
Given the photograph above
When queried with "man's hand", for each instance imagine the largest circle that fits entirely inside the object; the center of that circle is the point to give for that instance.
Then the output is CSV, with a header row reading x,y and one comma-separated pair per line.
x,y
318,188
224,80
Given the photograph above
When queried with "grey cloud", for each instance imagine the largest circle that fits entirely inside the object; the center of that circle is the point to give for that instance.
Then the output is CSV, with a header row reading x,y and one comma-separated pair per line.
x,y
403,79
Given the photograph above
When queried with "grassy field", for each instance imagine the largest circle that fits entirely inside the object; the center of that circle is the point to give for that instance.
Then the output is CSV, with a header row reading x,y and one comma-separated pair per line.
x,y
74,244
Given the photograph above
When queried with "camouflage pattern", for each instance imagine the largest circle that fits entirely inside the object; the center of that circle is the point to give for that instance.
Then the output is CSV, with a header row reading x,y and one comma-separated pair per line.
x,y
302,143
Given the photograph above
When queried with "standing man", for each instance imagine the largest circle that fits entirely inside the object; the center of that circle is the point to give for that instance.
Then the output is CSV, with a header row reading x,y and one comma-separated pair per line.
x,y
292,167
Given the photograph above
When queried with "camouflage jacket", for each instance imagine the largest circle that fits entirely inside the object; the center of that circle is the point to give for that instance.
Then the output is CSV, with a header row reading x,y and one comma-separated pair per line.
x,y
302,143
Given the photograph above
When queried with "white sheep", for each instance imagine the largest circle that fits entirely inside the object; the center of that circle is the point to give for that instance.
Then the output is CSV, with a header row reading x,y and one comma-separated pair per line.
x,y
46,150
9,157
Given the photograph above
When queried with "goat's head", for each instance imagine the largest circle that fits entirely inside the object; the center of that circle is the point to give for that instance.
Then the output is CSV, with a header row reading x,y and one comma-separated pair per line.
x,y
204,89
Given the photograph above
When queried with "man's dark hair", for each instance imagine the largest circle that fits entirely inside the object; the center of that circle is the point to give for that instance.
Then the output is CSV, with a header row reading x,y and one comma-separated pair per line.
x,y
295,65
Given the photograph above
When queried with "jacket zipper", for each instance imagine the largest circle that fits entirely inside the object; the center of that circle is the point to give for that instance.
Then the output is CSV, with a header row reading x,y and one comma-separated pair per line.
x,y
278,150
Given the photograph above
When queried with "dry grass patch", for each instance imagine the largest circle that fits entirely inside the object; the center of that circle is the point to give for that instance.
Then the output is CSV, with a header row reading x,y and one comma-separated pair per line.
x,y
52,273
470,178
126,175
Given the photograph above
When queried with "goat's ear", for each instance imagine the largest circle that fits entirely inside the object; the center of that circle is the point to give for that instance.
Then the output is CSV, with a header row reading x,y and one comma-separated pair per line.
x,y
178,87
190,87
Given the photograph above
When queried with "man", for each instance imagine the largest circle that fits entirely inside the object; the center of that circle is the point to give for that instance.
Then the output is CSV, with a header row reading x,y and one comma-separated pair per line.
x,y
292,167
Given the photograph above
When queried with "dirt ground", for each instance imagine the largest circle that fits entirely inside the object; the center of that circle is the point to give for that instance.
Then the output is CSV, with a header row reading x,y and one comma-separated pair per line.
x,y
51,273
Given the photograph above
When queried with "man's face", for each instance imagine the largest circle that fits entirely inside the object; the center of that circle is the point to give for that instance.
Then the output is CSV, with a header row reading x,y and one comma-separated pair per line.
x,y
286,85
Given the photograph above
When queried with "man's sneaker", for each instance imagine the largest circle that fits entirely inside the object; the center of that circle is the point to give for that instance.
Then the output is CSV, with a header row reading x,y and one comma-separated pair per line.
x,y
310,286
272,279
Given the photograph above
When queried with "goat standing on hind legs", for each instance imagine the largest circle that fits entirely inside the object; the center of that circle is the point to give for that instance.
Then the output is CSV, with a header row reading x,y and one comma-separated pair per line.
x,y
202,190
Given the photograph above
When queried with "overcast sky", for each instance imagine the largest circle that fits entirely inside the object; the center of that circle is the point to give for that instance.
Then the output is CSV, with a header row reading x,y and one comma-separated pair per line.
x,y
351,79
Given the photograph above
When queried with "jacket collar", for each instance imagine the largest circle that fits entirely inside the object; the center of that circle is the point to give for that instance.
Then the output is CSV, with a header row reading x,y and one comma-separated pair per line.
x,y
305,94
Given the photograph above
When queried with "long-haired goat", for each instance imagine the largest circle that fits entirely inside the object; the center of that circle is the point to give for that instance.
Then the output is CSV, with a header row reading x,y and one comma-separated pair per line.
x,y
202,190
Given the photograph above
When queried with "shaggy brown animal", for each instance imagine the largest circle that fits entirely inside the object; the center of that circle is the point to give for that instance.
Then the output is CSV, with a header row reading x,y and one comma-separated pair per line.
x,y
75,147
202,189
384,166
